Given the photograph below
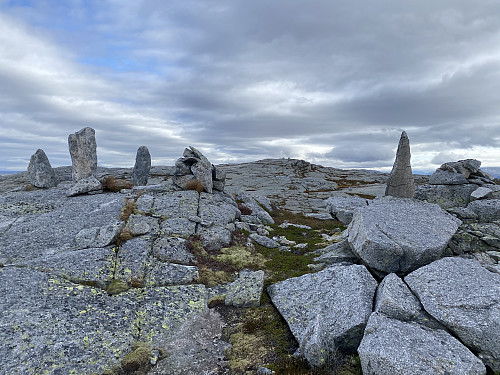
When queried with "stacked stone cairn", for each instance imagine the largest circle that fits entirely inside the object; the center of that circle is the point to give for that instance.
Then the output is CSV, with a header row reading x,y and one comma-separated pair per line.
x,y
194,166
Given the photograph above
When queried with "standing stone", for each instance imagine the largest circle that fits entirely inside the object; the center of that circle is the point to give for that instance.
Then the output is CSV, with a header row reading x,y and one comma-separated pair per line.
x,y
40,171
83,151
401,183
140,174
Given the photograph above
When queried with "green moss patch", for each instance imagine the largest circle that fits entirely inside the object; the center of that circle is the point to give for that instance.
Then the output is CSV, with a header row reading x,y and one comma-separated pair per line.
x,y
116,287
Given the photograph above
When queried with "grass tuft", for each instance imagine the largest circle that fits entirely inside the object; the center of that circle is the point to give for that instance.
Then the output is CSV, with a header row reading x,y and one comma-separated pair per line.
x,y
114,185
194,185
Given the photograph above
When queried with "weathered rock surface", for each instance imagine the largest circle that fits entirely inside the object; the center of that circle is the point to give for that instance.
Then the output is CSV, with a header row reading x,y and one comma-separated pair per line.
x,y
486,210
401,183
40,171
446,177
464,297
342,206
246,291
255,213
140,173
481,193
195,166
337,253
446,196
400,235
196,348
88,185
395,300
83,151
326,310
390,346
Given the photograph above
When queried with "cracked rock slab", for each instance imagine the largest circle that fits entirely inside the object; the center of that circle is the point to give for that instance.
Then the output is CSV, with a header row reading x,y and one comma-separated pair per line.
x,y
464,297
326,310
400,235
390,346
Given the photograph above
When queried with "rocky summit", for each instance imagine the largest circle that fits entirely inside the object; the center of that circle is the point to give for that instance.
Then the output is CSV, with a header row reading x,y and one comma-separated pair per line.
x,y
278,266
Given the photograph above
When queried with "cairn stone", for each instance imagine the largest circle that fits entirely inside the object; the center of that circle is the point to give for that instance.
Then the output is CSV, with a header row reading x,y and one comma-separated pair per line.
x,y
195,166
140,173
40,171
401,183
83,151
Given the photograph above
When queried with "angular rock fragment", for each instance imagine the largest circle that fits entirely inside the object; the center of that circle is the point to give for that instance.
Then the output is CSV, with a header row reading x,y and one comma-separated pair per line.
x,y
486,210
40,171
400,235
465,297
88,185
447,177
390,346
246,291
481,193
326,310
83,151
446,196
342,206
401,183
140,173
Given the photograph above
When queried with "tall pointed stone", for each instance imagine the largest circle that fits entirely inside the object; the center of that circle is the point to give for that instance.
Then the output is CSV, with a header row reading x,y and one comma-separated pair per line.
x,y
83,151
40,171
140,173
401,183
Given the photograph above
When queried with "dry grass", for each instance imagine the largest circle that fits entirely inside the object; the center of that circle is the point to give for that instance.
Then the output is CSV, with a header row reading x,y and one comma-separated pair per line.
x,y
194,185
114,185
244,209
128,209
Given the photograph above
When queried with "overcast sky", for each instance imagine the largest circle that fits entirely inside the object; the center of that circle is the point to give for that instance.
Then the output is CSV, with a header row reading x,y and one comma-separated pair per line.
x,y
333,82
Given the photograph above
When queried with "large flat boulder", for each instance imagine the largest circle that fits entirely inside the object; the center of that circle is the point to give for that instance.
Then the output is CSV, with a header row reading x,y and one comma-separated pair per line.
x,y
465,297
390,346
400,235
326,310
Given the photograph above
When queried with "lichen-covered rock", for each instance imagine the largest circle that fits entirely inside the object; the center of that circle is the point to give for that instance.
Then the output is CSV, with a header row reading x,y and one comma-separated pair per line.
x,y
140,224
93,266
401,183
132,259
172,249
98,237
46,222
52,326
446,177
83,151
140,173
326,310
446,196
390,346
256,214
342,206
196,348
464,297
164,274
40,171
336,253
481,193
246,290
486,210
399,235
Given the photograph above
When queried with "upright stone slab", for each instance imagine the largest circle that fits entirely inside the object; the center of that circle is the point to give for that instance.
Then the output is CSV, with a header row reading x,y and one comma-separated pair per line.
x,y
40,171
140,173
83,151
401,183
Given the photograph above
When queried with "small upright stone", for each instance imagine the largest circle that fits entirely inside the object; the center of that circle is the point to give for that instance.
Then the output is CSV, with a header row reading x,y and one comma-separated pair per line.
x,y
83,151
401,183
142,166
40,171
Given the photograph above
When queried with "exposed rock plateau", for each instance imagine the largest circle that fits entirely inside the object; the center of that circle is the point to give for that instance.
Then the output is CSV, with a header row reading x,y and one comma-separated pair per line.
x,y
90,279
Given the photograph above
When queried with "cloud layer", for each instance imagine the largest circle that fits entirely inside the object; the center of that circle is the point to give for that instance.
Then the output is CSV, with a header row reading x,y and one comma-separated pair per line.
x,y
328,81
